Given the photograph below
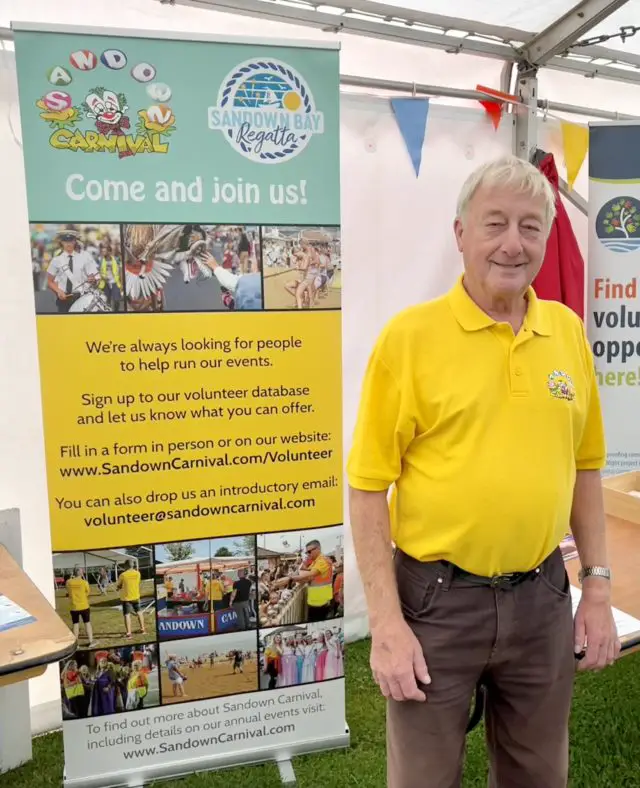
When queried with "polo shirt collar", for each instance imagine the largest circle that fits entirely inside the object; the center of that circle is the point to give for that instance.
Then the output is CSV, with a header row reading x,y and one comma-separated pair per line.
x,y
472,318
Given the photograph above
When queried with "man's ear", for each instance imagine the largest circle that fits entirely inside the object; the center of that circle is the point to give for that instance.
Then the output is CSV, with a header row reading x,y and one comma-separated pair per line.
x,y
458,231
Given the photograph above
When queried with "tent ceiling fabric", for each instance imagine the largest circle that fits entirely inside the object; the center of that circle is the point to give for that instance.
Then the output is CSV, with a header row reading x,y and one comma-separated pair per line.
x,y
525,15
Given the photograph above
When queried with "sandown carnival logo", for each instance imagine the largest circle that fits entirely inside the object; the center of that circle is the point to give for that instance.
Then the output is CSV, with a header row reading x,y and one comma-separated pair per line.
x,y
618,224
266,111
87,114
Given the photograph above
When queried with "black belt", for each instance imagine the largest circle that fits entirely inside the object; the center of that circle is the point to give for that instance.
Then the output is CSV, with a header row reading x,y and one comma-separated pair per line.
x,y
507,580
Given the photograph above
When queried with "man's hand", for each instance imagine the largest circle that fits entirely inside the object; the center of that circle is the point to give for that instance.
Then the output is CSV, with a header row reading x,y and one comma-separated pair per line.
x,y
398,663
595,630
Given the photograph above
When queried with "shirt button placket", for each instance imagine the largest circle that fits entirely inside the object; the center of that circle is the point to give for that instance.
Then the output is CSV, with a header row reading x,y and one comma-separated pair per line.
x,y
519,382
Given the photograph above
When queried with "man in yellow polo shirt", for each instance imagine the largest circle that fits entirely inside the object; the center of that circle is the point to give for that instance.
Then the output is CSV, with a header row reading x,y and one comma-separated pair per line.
x,y
481,410
129,585
78,591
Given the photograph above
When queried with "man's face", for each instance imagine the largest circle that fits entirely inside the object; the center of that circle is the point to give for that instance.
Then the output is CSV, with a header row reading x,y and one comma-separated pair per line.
x,y
502,240
69,246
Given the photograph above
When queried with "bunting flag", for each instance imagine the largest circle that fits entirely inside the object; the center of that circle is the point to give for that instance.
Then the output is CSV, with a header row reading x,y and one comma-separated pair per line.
x,y
411,116
494,103
575,144
493,110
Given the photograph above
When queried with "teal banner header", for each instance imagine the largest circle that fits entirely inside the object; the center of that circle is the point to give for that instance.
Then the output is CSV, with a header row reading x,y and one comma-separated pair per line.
x,y
124,129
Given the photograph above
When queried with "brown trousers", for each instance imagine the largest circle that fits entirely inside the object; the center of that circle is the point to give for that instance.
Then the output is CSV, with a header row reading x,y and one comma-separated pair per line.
x,y
519,641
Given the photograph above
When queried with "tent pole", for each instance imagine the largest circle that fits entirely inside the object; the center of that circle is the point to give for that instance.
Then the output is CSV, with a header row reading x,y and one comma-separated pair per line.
x,y
441,91
573,197
526,119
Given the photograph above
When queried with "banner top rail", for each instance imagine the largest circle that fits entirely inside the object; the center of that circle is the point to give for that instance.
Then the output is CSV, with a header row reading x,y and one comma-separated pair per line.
x,y
170,35
614,122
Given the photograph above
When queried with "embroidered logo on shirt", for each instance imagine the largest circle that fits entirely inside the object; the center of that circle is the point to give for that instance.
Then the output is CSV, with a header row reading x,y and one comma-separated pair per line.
x,y
561,386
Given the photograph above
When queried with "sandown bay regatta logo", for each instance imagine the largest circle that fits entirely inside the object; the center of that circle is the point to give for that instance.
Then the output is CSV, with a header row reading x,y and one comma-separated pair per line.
x,y
266,111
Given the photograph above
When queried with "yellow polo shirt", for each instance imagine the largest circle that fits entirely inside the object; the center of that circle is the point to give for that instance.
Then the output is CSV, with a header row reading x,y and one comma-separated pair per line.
x,y
479,430
78,590
130,586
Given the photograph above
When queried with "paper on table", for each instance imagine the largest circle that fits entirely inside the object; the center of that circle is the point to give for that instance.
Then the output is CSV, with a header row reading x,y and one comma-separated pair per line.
x,y
12,615
626,624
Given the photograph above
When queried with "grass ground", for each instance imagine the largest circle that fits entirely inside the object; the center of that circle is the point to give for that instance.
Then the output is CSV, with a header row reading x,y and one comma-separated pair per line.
x,y
106,616
605,741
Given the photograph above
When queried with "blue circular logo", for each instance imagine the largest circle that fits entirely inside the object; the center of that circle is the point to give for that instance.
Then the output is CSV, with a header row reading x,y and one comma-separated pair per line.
x,y
266,111
618,224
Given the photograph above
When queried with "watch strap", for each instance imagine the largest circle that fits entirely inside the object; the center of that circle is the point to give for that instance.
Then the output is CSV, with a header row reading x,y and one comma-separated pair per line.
x,y
595,571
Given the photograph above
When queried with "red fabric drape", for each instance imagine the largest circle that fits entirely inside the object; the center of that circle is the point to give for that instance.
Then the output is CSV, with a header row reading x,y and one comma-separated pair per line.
x,y
561,277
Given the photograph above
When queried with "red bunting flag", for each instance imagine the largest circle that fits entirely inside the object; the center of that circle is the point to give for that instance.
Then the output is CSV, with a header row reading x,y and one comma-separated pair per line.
x,y
494,103
494,111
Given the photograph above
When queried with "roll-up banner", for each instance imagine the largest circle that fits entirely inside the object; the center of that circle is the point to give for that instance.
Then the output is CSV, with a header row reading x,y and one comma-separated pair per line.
x,y
184,212
613,319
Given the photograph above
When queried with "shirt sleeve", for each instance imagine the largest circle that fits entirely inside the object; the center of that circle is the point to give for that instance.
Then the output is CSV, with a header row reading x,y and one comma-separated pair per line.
x,y
384,428
592,453
226,278
54,267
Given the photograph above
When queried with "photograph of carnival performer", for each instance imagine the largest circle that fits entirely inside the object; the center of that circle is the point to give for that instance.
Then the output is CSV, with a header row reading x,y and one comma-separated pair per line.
x,y
301,654
102,682
66,263
170,267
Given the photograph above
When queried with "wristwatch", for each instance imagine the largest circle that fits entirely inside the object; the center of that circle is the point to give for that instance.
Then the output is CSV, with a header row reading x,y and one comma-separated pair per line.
x,y
594,571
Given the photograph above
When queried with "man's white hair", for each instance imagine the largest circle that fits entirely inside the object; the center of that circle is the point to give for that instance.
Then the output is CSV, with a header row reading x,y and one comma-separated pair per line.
x,y
509,172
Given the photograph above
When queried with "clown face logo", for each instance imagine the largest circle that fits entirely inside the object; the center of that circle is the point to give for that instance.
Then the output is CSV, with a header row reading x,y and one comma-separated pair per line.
x,y
106,107
99,122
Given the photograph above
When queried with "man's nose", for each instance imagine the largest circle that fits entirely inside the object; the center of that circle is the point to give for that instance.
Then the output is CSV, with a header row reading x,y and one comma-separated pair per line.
x,y
512,241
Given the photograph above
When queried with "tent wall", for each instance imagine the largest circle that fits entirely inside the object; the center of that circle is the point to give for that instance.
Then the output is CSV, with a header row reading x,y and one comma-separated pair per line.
x,y
398,242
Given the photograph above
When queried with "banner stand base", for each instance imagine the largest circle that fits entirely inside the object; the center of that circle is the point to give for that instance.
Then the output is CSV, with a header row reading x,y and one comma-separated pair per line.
x,y
135,778
287,773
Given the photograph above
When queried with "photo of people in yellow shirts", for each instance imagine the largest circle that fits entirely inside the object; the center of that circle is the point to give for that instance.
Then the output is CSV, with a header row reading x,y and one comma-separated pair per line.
x,y
206,586
107,596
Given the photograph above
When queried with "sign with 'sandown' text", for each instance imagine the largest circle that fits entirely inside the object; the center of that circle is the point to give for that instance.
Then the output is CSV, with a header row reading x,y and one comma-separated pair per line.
x,y
185,254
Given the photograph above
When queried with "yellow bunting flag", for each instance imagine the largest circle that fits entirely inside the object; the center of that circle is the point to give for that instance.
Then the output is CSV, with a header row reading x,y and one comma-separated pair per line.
x,y
575,143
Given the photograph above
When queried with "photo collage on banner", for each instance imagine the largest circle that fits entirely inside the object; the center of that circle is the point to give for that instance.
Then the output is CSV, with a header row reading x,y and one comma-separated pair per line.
x,y
187,275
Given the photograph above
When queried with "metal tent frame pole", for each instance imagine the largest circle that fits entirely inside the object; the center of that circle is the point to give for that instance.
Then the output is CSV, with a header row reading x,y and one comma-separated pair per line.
x,y
449,34
440,91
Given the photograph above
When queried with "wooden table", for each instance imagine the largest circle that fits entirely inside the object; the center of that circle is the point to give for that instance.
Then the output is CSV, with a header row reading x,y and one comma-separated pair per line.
x,y
623,541
25,651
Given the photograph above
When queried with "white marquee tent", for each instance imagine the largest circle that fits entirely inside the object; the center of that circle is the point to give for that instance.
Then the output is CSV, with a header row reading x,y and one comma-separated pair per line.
x,y
95,559
397,241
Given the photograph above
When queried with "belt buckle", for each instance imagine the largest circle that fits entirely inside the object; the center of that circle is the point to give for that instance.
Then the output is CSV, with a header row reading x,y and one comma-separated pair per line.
x,y
497,581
